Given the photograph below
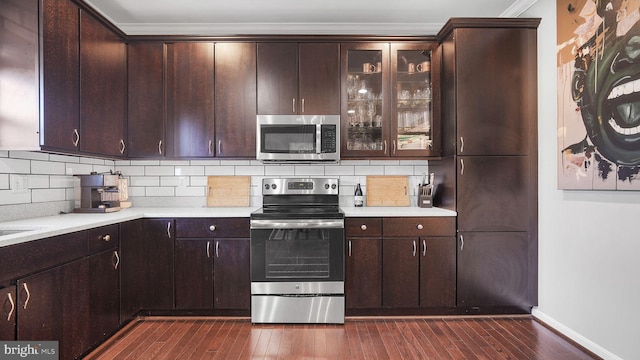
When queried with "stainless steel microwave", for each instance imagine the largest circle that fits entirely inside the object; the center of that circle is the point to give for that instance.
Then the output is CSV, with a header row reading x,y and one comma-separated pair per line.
x,y
298,138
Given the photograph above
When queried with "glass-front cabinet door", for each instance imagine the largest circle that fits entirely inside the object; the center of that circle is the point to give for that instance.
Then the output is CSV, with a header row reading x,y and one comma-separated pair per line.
x,y
365,101
413,128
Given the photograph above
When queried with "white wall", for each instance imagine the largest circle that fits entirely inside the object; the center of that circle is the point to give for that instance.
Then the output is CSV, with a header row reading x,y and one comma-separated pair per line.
x,y
589,245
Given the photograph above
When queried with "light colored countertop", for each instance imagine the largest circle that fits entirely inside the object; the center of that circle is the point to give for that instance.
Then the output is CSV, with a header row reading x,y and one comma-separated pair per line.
x,y
44,227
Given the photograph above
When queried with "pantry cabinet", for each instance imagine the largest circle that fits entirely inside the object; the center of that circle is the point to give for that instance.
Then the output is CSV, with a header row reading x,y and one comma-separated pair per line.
x,y
212,269
298,78
491,127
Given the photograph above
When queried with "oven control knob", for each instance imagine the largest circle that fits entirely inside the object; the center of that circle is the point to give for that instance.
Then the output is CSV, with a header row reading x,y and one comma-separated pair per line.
x,y
333,186
266,187
297,286
274,186
326,186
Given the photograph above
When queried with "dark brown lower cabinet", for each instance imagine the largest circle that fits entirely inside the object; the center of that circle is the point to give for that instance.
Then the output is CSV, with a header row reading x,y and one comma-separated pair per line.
x,y
363,273
212,273
104,295
8,309
146,257
54,305
494,270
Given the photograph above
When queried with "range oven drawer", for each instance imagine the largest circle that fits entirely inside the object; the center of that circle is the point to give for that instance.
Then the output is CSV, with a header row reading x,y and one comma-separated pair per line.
x,y
297,309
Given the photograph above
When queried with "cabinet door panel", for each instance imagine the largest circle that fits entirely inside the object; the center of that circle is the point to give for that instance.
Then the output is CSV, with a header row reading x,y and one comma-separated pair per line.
x,y
104,283
319,74
103,81
438,272
497,77
190,87
493,193
235,99
363,273
400,273
493,269
194,274
146,125
277,78
60,72
232,280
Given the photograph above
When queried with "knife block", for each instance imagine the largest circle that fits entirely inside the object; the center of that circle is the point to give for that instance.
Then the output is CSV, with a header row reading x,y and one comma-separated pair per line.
x,y
425,196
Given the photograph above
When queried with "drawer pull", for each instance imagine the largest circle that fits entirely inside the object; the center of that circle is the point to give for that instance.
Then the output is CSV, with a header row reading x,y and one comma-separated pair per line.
x,y
212,228
13,306
419,227
106,238
363,227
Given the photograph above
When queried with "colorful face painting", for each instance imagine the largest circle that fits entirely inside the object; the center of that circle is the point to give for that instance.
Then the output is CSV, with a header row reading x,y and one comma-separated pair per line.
x,y
599,94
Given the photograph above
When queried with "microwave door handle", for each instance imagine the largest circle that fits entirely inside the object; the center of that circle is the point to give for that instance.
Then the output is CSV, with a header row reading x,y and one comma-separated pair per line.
x,y
318,138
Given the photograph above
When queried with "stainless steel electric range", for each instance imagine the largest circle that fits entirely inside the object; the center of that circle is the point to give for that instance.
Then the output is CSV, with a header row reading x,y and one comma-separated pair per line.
x,y
297,253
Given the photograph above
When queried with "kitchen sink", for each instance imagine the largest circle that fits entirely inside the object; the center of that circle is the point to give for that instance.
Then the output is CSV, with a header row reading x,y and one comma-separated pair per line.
x,y
17,229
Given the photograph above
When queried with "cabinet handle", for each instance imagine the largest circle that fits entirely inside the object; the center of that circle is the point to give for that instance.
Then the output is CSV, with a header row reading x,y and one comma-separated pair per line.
x,y
363,227
349,242
419,227
26,289
123,147
217,249
77,137
461,166
208,249
424,248
212,228
169,229
160,147
393,146
414,248
13,306
117,262
219,147
461,242
106,238
461,144
385,147
302,105
294,105
209,147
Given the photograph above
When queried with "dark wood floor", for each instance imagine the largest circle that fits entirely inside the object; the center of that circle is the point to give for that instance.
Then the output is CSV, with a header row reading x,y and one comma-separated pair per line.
x,y
384,338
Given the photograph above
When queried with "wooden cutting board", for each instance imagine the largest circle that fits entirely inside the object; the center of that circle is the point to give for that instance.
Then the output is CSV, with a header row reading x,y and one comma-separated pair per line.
x,y
387,191
228,190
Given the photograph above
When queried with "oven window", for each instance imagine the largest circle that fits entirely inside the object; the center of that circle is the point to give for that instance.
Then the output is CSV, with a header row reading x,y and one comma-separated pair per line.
x,y
288,139
297,253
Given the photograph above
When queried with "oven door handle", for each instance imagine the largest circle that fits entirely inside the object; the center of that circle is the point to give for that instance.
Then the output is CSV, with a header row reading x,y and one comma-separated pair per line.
x,y
298,224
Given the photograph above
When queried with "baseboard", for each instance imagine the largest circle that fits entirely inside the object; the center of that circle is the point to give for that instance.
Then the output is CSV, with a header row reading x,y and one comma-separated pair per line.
x,y
573,335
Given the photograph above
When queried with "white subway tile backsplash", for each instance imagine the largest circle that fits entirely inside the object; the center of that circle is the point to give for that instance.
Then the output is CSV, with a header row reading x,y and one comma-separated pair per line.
x,y
398,170
198,180
47,167
136,191
309,170
279,170
9,197
249,170
94,161
219,170
145,162
235,162
175,162
64,158
37,181
14,166
189,170
160,191
174,180
4,153
205,162
61,181
130,170
144,181
122,163
336,170
78,169
369,170
102,169
159,170
29,155
47,195
4,181
191,191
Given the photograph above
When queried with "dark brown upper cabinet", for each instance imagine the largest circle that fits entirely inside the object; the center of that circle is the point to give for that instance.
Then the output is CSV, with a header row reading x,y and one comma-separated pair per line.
x,y
103,89
298,78
190,99
60,75
146,122
235,99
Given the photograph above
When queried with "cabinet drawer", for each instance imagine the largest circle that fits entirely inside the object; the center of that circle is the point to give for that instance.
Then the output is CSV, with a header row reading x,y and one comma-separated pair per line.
x,y
212,227
103,238
363,227
419,226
